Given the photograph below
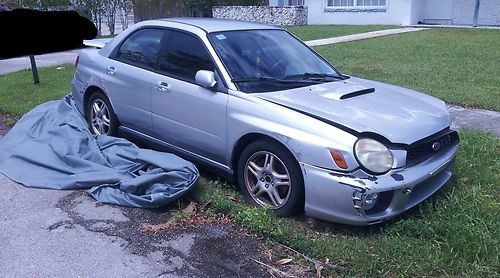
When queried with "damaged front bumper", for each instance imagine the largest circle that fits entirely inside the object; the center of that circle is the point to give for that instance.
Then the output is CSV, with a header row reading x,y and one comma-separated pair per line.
x,y
361,199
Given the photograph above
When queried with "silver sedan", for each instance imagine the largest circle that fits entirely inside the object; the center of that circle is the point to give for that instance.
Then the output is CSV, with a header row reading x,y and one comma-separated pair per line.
x,y
256,105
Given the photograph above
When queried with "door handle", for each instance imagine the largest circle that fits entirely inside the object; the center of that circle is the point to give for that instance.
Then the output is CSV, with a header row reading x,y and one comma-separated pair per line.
x,y
162,86
111,70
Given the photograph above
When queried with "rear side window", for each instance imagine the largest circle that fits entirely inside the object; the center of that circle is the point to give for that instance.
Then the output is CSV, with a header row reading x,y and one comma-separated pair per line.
x,y
141,48
183,55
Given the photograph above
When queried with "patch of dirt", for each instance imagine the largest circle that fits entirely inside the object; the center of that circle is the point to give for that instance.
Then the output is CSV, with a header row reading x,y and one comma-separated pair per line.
x,y
3,127
195,246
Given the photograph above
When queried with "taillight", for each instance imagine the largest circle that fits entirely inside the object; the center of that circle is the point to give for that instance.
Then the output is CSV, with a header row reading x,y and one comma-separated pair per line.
x,y
77,60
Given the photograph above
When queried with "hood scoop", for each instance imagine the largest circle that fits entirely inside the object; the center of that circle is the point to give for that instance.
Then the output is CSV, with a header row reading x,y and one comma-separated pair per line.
x,y
345,92
358,93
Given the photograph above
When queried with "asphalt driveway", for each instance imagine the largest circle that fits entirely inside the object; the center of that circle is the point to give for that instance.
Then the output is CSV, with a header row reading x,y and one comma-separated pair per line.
x,y
47,233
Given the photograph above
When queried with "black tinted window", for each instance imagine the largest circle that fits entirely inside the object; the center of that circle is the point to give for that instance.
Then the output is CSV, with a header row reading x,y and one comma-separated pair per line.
x,y
141,48
184,55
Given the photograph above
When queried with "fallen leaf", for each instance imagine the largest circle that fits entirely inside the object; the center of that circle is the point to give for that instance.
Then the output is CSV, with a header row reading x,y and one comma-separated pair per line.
x,y
319,267
269,255
155,228
283,261
191,208
232,198
464,179
205,205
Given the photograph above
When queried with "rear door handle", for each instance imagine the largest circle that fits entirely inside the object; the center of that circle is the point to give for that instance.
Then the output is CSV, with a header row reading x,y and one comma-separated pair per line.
x,y
162,86
111,70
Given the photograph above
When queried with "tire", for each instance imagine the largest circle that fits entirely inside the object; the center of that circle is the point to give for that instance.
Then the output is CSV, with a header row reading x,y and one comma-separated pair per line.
x,y
100,115
266,168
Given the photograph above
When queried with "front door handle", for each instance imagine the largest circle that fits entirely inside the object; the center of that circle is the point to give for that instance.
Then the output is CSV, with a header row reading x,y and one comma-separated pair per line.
x,y
162,86
111,70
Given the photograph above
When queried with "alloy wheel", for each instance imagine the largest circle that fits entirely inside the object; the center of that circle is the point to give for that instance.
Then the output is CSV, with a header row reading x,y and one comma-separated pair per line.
x,y
267,179
100,117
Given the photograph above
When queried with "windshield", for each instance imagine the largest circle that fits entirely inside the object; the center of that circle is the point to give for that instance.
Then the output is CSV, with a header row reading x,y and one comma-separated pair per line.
x,y
270,60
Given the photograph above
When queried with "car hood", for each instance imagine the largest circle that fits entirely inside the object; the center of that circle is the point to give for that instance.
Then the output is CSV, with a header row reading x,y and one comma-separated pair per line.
x,y
398,114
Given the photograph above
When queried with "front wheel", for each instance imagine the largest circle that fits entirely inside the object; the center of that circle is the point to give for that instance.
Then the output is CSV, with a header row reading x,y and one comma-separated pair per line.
x,y
100,116
270,176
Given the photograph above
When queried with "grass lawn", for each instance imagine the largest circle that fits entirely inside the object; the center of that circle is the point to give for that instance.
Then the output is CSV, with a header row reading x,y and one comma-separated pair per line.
x,y
18,94
459,66
314,32
453,234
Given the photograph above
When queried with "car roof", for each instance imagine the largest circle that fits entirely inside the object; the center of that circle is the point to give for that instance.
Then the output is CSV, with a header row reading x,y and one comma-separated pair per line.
x,y
216,25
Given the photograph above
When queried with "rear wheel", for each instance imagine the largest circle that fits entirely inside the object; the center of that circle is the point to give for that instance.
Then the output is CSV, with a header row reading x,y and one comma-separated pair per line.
x,y
100,115
270,176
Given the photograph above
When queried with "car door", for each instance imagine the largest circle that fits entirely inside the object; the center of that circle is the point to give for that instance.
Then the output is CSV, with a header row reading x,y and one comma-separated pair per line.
x,y
129,78
185,114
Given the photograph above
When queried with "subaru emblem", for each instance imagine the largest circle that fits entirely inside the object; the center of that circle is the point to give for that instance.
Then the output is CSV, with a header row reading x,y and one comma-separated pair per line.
x,y
436,146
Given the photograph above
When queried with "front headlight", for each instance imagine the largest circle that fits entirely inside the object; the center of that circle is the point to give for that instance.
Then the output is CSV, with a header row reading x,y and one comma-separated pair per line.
x,y
373,156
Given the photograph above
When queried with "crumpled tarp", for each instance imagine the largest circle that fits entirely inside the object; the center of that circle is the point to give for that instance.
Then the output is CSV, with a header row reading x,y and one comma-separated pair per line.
x,y
51,147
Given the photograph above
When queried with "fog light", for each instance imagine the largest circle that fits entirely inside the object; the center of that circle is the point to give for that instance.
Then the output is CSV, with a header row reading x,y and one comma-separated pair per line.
x,y
370,200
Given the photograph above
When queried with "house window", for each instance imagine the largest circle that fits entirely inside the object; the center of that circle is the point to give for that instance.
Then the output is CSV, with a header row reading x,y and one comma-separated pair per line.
x,y
296,2
356,3
291,3
370,3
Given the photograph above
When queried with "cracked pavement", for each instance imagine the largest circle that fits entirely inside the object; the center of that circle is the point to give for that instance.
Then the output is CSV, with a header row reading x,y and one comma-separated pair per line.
x,y
49,233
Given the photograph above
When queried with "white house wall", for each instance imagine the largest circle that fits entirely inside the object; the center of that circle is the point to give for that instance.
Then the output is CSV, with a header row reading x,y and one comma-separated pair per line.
x,y
397,12
417,11
403,12
489,12
463,11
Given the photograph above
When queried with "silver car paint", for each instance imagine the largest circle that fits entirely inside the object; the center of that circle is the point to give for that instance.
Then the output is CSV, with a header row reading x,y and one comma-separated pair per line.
x,y
396,113
131,90
191,117
208,125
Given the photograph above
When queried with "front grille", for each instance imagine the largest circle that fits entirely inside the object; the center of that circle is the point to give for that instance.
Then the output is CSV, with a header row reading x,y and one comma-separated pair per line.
x,y
430,146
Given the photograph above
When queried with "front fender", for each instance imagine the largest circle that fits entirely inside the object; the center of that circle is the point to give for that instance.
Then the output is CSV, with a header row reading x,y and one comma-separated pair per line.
x,y
308,139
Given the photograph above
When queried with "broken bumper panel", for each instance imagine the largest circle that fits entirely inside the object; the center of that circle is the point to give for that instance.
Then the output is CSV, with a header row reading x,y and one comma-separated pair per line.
x,y
77,89
361,199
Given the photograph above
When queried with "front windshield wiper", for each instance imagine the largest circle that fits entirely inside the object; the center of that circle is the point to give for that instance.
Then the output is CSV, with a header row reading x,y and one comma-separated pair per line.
x,y
273,79
314,76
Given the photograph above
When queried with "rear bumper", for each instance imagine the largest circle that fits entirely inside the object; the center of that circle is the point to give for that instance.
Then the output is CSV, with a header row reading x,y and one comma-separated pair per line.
x,y
77,91
337,197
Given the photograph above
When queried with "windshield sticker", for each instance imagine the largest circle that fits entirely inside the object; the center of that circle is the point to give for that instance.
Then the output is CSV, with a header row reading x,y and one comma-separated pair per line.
x,y
220,37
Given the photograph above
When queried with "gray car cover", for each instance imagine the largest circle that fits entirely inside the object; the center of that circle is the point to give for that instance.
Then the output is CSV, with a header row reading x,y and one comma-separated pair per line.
x,y
52,147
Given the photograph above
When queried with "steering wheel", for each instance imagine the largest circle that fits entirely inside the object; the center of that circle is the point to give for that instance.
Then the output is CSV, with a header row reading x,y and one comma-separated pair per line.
x,y
278,68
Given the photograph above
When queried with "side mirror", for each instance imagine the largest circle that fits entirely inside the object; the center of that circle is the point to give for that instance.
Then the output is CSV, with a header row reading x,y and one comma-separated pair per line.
x,y
205,78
